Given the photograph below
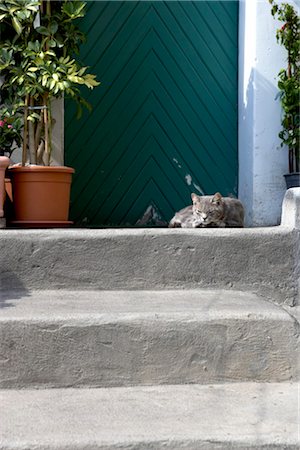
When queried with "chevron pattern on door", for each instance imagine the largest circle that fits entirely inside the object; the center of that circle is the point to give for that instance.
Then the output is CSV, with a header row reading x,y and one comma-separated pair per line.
x,y
164,119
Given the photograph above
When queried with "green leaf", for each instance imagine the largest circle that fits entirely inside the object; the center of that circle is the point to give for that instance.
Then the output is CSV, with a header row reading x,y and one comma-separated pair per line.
x,y
53,27
52,84
13,9
33,8
51,53
34,116
274,10
43,30
44,80
51,43
74,9
22,15
17,26
81,71
90,81
75,79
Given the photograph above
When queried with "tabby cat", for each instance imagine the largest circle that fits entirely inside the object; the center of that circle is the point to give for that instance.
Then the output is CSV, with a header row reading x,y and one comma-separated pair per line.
x,y
210,211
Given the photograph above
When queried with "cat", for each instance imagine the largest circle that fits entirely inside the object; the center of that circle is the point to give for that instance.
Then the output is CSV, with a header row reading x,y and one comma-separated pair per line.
x,y
210,211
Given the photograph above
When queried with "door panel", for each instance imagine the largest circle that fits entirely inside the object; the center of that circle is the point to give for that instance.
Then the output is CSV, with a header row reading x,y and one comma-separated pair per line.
x,y
164,119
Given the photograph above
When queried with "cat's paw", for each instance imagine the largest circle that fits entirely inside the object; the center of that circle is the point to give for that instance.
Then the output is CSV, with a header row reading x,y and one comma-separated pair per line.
x,y
197,224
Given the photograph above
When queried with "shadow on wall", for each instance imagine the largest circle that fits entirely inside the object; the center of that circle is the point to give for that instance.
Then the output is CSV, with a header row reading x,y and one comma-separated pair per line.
x,y
262,161
11,288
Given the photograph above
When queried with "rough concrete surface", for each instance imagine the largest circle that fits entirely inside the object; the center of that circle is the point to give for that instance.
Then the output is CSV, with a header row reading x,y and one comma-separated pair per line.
x,y
291,208
264,260
121,338
233,416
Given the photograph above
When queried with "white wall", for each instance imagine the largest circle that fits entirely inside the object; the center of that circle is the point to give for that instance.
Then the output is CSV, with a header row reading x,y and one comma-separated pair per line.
x,y
262,161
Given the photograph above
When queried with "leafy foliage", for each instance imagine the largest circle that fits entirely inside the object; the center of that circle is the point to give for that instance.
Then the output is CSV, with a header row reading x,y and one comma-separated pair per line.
x,y
11,124
289,80
37,59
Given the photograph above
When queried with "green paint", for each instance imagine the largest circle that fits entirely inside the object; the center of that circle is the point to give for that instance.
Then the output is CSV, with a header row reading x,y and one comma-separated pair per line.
x,y
164,120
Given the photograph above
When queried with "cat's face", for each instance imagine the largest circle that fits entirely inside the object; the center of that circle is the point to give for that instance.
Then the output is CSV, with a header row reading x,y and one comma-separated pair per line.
x,y
207,210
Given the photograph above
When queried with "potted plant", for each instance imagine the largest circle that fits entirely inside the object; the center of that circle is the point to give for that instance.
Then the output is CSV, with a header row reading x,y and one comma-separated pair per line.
x,y
11,124
289,87
38,48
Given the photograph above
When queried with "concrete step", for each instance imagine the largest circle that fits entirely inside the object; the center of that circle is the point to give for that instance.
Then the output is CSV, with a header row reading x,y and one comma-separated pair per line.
x,y
263,260
194,417
124,338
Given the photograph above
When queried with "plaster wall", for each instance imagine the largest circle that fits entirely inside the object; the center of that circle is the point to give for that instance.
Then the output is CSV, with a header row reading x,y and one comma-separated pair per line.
x,y
262,161
58,132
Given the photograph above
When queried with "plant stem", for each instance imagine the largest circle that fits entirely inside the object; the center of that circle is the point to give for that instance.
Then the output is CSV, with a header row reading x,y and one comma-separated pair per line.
x,y
49,130
289,71
291,161
25,131
46,124
38,131
40,153
48,7
32,148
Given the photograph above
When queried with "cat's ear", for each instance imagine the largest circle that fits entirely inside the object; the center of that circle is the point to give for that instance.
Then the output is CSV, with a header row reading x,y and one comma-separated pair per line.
x,y
195,197
217,198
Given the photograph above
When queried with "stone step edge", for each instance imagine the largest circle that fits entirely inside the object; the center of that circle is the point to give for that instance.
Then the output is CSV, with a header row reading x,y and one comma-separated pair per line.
x,y
109,305
125,338
224,416
137,259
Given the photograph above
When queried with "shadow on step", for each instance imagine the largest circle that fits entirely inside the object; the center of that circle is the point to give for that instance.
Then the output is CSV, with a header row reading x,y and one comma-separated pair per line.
x,y
11,288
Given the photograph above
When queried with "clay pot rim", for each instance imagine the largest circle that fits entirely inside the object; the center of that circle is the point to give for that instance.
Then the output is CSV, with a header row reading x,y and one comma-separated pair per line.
x,y
36,168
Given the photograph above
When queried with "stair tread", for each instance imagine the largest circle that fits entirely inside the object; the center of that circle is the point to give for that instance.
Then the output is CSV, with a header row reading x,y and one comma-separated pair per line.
x,y
198,304
248,259
238,415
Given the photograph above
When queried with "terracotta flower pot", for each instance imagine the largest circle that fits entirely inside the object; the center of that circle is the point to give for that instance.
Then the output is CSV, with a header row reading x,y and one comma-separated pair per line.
x,y
41,195
8,189
4,162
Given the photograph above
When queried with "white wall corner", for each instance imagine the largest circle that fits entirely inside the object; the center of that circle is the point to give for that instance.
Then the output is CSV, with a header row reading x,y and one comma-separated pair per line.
x,y
262,161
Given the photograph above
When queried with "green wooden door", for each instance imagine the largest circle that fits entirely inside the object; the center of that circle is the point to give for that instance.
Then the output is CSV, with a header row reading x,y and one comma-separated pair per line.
x,y
164,119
